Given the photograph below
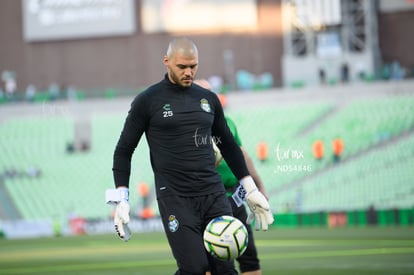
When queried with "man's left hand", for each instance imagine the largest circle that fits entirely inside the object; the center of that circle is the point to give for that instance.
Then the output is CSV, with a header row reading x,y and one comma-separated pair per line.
x,y
258,204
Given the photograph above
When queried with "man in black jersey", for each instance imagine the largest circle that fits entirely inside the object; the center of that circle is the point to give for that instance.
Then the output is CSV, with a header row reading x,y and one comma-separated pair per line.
x,y
180,120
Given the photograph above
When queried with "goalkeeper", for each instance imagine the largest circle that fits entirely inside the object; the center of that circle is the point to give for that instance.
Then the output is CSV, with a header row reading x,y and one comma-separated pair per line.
x,y
249,261
179,119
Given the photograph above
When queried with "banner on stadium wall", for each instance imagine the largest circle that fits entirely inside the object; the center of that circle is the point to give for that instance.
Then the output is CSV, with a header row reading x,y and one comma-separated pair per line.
x,y
27,229
21,229
136,226
68,19
167,15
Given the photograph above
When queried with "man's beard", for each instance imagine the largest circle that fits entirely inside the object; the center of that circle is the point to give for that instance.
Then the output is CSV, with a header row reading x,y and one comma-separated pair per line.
x,y
178,81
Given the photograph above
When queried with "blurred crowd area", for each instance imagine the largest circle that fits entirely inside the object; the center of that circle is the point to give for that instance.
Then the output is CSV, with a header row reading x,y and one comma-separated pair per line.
x,y
245,81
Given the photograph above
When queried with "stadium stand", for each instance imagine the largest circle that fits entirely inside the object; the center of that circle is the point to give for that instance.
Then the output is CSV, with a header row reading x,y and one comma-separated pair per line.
x,y
375,169
381,178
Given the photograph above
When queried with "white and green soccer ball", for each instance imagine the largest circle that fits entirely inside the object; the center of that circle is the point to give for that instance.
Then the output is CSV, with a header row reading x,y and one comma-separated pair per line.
x,y
225,238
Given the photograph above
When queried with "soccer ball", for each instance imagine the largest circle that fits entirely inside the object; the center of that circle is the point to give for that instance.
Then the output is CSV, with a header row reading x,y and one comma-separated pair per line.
x,y
225,238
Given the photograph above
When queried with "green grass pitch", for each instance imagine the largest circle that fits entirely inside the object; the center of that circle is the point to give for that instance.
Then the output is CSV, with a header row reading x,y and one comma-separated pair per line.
x,y
282,251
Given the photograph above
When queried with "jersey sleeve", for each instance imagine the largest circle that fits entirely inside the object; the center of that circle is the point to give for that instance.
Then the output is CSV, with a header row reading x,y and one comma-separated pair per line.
x,y
134,126
227,144
233,130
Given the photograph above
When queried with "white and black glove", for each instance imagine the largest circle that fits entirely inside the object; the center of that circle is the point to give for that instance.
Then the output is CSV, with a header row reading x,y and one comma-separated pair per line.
x,y
258,204
119,198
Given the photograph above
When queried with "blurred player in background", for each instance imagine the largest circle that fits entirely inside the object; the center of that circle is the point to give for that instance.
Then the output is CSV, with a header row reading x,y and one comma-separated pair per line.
x,y
249,261
179,120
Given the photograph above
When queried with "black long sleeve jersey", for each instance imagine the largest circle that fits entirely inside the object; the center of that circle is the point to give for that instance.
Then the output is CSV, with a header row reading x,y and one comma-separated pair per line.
x,y
179,124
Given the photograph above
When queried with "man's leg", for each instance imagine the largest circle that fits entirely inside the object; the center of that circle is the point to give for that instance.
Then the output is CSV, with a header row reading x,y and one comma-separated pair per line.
x,y
249,261
184,233
214,206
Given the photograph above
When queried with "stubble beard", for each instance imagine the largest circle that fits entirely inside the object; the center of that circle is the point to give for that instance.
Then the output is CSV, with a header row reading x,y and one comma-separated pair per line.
x,y
178,81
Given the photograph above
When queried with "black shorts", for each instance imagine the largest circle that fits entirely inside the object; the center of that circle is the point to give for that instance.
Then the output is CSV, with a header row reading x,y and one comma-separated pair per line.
x,y
184,220
249,261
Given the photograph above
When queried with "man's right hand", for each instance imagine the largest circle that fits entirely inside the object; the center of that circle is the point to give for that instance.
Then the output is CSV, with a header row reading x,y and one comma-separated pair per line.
x,y
119,198
121,220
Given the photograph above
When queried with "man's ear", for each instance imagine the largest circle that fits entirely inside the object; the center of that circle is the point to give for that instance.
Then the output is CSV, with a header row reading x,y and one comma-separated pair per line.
x,y
166,60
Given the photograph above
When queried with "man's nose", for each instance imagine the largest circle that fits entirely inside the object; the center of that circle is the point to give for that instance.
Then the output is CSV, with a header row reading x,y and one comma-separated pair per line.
x,y
188,71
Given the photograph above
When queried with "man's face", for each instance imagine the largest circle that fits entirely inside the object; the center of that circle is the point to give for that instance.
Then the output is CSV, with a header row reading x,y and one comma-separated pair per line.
x,y
181,69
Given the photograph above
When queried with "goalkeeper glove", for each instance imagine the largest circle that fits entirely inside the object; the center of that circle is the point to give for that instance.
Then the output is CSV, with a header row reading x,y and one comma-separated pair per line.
x,y
259,206
119,197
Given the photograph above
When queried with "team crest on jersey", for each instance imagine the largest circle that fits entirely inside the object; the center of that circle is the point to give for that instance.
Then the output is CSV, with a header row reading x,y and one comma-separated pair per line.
x,y
173,223
205,105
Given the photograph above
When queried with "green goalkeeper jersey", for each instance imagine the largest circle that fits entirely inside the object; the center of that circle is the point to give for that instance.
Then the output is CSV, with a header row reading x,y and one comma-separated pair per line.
x,y
227,176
